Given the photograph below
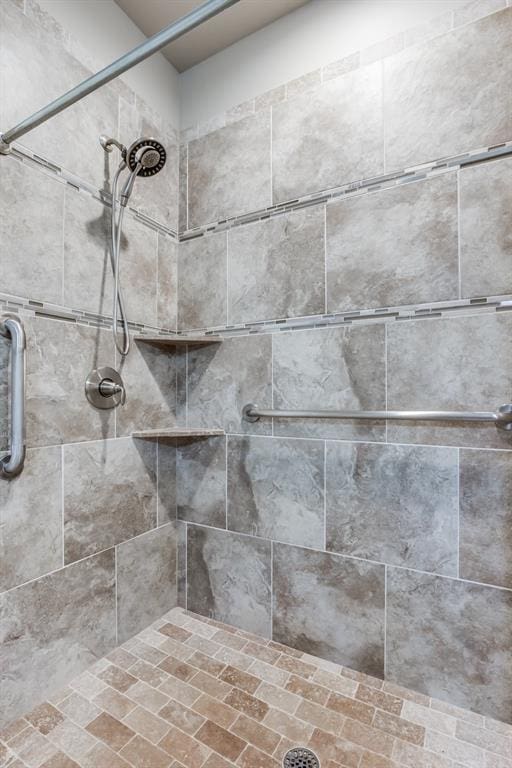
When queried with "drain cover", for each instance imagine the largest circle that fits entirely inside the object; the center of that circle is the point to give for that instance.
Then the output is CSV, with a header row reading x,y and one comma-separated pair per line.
x,y
300,757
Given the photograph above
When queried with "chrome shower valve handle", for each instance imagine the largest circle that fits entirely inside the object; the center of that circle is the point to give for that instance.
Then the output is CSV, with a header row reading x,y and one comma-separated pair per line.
x,y
104,388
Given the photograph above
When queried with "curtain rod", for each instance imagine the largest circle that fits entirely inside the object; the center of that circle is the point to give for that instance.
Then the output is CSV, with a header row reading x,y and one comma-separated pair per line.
x,y
127,61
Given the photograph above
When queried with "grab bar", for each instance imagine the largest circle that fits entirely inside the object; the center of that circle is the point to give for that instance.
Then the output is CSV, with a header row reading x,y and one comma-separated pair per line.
x,y
502,417
12,464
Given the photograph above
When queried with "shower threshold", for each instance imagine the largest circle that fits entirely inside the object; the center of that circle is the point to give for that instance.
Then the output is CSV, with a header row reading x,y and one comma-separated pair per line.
x,y
189,692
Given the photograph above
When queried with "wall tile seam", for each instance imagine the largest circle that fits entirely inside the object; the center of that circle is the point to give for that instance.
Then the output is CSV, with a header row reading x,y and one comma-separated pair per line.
x,y
361,57
354,558
112,548
76,50
61,175
356,188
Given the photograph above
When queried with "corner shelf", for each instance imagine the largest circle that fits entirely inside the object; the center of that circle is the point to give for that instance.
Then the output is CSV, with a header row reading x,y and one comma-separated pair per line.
x,y
173,340
176,432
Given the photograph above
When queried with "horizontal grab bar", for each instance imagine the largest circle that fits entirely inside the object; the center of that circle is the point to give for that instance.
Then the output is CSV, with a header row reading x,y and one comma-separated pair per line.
x,y
12,464
502,417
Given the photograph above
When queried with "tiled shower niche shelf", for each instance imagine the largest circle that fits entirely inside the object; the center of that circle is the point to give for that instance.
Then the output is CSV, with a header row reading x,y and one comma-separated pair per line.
x,y
172,340
177,432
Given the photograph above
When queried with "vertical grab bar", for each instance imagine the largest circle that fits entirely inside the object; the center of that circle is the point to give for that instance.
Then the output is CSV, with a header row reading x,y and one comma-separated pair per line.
x,y
12,464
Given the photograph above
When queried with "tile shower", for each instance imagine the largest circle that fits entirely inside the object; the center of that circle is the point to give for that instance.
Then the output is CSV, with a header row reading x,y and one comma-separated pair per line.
x,y
334,234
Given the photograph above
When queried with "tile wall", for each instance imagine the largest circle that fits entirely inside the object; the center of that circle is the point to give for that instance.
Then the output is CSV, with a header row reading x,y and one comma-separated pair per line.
x,y
88,532
383,548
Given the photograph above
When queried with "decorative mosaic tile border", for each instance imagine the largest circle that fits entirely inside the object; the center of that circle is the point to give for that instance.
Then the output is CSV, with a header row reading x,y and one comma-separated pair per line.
x,y
357,187
310,81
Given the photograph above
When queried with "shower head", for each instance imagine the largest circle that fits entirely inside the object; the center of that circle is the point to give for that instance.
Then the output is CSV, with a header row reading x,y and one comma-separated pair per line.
x,y
148,155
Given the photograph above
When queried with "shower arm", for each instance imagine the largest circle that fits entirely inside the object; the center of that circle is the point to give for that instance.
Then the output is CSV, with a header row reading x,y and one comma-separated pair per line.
x,y
143,51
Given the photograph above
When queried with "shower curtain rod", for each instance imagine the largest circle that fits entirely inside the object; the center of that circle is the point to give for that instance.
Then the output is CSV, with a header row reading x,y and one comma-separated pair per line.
x,y
127,61
501,418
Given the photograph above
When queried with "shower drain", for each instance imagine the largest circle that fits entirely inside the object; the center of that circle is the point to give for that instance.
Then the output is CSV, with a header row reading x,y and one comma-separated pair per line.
x,y
300,757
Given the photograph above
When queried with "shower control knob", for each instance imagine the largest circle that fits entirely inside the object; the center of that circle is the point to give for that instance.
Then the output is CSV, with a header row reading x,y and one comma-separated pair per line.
x,y
104,388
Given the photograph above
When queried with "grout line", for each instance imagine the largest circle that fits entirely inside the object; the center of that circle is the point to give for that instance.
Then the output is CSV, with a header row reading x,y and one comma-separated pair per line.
x,y
458,513
271,635
226,482
115,595
227,277
459,261
325,261
271,159
63,507
325,495
385,620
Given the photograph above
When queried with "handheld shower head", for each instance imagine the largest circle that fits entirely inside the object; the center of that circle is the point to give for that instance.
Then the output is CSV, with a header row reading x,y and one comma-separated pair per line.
x,y
145,157
149,154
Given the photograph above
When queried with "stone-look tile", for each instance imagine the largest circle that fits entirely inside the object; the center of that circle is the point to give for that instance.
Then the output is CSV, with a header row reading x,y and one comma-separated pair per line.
x,y
486,517
78,710
53,628
328,137
142,754
341,66
267,99
149,374
181,554
276,267
485,239
146,579
276,489
31,232
330,369
449,364
31,519
111,731
202,268
394,503
109,494
183,185
224,178
34,71
220,740
329,606
223,378
201,481
425,83
167,288
397,246
166,497
157,196
88,282
59,358
229,578
451,639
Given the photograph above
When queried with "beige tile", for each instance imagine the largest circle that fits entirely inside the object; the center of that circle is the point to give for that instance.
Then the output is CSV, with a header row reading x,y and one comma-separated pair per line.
x,y
220,740
74,741
184,748
379,699
60,760
146,724
277,697
141,754
148,697
256,734
253,758
111,731
239,679
307,690
215,710
182,717
351,708
247,704
114,702
320,717
117,678
182,692
79,710
288,726
376,741
45,718
397,726
101,756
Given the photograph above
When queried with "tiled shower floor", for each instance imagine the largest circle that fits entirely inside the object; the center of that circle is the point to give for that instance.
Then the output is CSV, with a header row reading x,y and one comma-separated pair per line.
x,y
190,692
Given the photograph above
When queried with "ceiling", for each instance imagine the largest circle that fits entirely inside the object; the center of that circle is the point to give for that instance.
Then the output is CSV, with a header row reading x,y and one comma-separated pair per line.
x,y
240,20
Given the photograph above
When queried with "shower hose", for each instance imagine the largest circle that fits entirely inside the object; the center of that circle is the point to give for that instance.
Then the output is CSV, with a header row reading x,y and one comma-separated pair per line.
x,y
118,303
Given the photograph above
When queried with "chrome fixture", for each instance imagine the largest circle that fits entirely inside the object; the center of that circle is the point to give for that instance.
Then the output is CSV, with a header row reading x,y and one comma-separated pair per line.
x,y
12,464
501,418
104,388
135,56
145,157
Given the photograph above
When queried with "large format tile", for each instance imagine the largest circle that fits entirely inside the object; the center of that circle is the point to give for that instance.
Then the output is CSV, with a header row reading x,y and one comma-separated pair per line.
x,y
485,236
34,71
53,629
88,281
109,494
328,137
394,503
229,171
450,364
149,374
276,489
486,517
60,355
167,288
31,519
229,578
202,269
330,369
433,104
276,267
146,579
330,606
396,246
451,639
223,378
32,206
201,481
